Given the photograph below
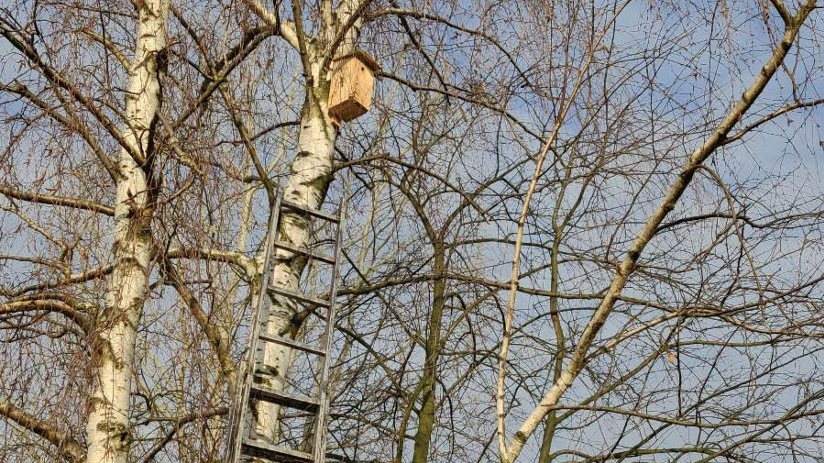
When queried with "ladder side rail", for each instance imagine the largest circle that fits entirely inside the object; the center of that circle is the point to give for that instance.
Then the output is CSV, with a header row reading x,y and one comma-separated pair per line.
x,y
323,397
232,430
251,354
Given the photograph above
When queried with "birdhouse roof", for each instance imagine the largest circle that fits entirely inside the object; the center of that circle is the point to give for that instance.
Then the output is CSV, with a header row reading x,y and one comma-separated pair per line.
x,y
364,57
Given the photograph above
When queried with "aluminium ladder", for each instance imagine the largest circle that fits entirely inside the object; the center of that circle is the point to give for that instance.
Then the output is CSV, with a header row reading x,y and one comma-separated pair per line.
x,y
243,445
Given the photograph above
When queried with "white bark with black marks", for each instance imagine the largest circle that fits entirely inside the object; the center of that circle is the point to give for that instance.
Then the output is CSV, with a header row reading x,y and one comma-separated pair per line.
x,y
107,428
311,172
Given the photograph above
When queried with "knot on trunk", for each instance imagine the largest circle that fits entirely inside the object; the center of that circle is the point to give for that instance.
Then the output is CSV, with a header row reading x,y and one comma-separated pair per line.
x,y
119,435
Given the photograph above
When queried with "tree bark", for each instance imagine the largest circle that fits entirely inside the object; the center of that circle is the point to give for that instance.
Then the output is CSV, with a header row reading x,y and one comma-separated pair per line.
x,y
309,178
107,427
426,416
310,175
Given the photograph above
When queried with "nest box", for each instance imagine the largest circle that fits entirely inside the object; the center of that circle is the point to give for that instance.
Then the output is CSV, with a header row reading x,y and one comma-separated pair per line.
x,y
350,91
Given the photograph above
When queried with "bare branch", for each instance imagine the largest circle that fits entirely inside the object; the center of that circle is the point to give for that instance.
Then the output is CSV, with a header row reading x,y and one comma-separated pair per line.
x,y
783,11
66,446
248,43
179,423
220,343
112,48
769,117
627,266
61,81
82,277
70,121
49,302
303,47
286,29
56,200
245,263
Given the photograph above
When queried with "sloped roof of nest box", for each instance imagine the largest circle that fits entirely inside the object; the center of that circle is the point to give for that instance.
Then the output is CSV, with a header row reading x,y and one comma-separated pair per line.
x,y
364,57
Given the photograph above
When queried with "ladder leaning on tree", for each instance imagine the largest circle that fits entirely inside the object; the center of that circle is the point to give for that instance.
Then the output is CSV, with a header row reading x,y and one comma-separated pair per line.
x,y
243,444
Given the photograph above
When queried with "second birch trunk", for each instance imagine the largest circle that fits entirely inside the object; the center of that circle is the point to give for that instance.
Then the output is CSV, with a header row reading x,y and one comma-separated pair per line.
x,y
108,429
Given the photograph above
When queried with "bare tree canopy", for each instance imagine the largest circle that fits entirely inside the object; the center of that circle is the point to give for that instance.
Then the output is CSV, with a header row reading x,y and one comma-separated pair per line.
x,y
577,231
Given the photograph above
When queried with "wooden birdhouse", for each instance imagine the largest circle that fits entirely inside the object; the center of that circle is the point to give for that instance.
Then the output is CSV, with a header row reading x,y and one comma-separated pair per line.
x,y
350,92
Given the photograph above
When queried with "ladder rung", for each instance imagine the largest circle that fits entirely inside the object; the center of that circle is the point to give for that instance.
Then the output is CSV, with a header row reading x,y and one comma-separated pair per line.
x,y
308,210
306,252
292,343
296,401
336,457
298,296
255,448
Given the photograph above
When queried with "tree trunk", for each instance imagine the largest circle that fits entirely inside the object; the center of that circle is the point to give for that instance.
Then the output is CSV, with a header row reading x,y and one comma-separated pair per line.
x,y
426,416
310,175
107,428
309,178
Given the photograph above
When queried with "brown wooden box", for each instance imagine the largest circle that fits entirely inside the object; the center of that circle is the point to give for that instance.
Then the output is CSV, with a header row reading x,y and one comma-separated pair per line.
x,y
353,79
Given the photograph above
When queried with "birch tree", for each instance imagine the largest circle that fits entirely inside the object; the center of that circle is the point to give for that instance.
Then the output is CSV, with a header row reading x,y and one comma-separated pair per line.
x,y
568,370
514,152
114,333
310,173
92,267
107,427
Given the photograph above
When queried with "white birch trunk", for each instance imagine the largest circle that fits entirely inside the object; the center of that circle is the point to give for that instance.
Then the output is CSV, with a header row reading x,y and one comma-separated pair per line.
x,y
310,175
107,428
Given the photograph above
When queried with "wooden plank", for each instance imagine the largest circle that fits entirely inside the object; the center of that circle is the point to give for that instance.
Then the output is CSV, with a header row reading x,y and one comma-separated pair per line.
x,y
297,296
306,252
308,210
293,344
296,401
275,453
